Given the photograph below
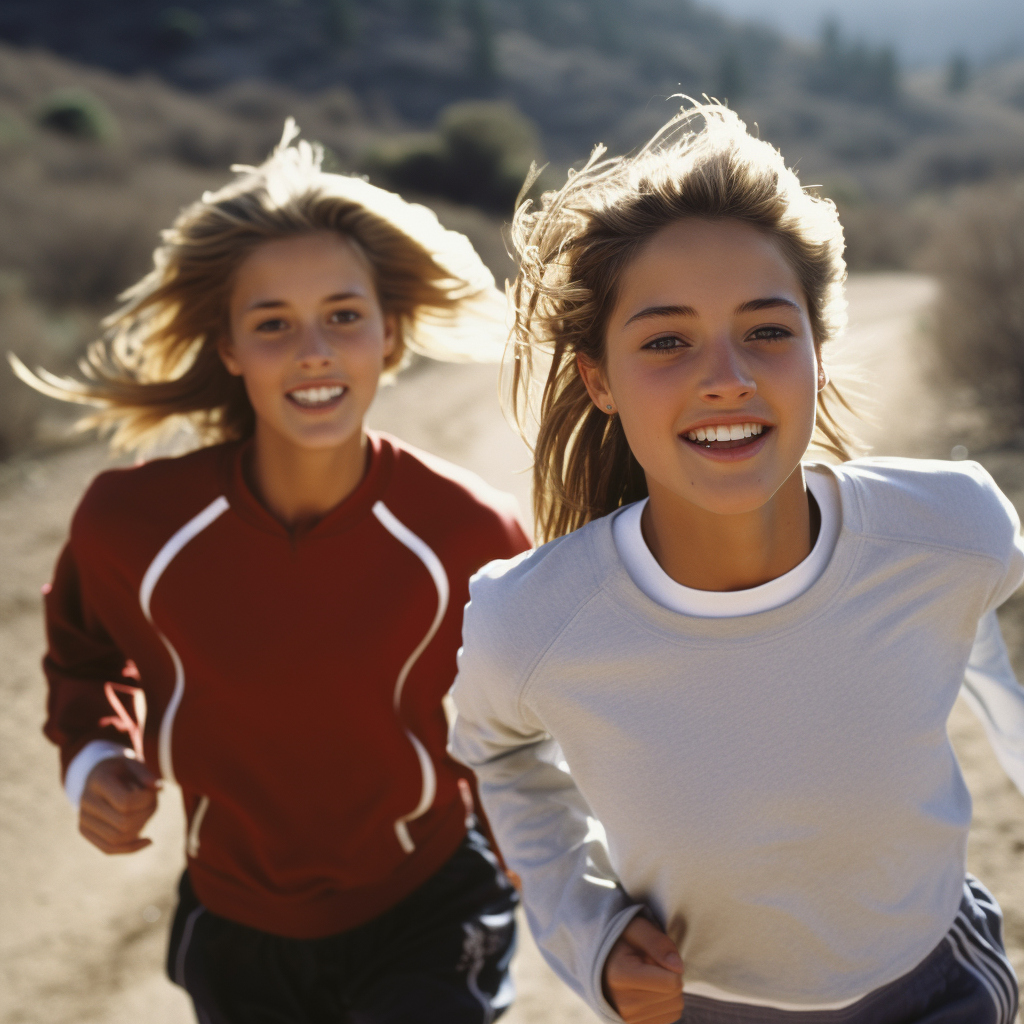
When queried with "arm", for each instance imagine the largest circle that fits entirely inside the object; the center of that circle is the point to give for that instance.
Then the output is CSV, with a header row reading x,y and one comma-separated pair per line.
x,y
575,905
96,722
994,695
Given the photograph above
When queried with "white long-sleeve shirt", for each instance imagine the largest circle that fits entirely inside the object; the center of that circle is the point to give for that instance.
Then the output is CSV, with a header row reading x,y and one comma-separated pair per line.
x,y
777,787
990,689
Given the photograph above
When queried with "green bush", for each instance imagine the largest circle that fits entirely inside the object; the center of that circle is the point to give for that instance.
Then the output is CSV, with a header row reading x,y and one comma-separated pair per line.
x,y
978,257
178,28
78,113
479,156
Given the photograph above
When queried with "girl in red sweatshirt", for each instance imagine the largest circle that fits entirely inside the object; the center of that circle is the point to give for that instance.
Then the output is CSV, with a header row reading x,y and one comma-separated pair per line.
x,y
271,621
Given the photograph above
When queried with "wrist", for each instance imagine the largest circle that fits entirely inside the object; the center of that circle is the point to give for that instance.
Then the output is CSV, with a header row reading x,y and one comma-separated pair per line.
x,y
85,760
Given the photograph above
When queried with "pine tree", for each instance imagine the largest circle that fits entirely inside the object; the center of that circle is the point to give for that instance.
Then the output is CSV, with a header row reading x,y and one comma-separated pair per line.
x,y
732,82
342,21
484,58
958,73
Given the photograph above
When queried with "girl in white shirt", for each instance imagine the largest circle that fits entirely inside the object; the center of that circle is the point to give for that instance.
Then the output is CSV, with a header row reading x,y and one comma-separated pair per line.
x,y
709,716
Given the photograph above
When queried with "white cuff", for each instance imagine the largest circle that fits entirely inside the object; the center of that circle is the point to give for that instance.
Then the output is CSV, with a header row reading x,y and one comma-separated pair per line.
x,y
85,760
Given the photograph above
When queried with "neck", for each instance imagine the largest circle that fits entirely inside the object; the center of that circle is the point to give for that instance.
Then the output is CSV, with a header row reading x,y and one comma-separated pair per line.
x,y
299,486
708,551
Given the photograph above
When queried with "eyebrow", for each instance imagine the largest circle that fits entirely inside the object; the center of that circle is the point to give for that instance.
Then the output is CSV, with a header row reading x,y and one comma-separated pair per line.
x,y
277,303
771,302
656,311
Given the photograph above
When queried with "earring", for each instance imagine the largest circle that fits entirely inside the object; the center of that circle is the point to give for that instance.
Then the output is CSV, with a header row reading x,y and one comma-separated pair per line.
x,y
822,380
608,407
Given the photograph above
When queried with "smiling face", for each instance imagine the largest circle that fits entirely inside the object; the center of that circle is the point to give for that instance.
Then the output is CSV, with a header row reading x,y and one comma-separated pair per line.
x,y
309,338
711,366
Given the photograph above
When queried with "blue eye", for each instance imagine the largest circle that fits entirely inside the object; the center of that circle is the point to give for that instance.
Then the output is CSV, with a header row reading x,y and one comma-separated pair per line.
x,y
665,343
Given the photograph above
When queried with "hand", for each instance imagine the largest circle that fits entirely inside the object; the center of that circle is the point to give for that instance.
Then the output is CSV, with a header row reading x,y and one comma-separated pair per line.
x,y
118,799
643,975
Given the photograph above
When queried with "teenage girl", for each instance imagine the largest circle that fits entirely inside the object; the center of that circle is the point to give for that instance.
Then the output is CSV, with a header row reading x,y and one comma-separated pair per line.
x,y
709,717
272,620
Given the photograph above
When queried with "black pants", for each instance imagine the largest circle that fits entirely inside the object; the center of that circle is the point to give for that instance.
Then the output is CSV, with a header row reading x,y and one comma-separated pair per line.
x,y
441,955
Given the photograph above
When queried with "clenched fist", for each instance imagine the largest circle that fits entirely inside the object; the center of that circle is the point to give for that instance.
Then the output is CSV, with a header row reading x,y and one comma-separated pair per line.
x,y
643,975
118,799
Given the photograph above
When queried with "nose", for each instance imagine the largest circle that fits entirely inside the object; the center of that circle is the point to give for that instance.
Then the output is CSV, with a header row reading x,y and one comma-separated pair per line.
x,y
726,379
314,351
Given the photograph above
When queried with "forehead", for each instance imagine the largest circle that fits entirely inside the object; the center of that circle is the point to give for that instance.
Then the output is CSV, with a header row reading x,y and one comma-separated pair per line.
x,y
705,264
305,263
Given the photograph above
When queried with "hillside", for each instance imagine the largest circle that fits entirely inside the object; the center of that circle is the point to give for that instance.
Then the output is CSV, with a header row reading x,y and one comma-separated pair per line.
x,y
115,114
927,31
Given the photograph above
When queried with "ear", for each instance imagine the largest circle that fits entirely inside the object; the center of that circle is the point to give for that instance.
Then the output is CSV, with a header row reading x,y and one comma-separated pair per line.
x,y
390,335
823,378
596,383
226,351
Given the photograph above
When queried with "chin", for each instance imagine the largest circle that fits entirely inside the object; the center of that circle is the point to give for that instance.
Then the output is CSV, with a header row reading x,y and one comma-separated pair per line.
x,y
732,499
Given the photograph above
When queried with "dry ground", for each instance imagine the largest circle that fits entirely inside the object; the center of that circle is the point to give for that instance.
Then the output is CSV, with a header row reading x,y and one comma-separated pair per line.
x,y
82,935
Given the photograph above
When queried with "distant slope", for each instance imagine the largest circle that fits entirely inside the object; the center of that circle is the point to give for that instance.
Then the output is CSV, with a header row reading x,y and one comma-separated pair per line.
x,y
923,31
584,70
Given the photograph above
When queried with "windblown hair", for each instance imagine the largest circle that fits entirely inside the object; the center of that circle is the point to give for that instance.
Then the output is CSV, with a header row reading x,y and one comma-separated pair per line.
x,y
572,251
158,369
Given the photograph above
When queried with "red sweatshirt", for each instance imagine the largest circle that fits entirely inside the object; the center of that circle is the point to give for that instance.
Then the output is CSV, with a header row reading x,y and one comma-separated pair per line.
x,y
292,684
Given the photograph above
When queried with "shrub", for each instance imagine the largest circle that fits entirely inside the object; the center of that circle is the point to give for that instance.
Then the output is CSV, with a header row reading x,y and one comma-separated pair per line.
x,y
978,256
178,28
479,156
77,113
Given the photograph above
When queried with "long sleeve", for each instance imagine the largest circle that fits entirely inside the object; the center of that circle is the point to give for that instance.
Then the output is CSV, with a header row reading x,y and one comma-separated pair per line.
x,y
994,695
575,904
82,665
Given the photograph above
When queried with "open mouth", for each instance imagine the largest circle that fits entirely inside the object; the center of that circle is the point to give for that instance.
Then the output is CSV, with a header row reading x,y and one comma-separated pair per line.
x,y
722,438
324,397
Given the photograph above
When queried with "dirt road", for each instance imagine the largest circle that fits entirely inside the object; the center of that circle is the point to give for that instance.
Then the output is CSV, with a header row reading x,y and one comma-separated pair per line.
x,y
82,936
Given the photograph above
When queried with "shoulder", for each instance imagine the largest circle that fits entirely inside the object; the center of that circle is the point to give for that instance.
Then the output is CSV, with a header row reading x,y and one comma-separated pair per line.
x,y
520,605
949,504
446,497
151,493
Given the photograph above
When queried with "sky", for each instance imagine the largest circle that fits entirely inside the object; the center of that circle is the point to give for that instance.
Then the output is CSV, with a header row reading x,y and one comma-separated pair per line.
x,y
924,31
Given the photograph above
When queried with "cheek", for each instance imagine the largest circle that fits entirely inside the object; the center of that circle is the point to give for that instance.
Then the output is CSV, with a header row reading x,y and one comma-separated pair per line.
x,y
364,357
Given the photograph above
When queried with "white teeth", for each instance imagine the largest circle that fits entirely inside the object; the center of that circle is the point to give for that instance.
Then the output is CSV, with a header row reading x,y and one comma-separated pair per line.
x,y
317,396
734,432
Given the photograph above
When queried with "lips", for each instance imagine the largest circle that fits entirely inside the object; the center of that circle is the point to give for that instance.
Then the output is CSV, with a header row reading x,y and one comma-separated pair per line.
x,y
321,396
728,441
726,432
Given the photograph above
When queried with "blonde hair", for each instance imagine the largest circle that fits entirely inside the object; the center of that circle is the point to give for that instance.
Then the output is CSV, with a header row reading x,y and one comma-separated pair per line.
x,y
158,367
572,250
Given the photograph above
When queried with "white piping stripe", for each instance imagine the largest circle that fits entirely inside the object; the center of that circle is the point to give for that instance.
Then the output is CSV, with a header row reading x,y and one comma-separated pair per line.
x,y
986,968
982,976
433,565
192,846
989,959
474,951
164,557
999,966
186,941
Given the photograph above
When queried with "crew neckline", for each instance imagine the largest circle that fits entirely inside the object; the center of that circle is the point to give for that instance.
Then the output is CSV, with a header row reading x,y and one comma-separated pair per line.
x,y
643,569
380,456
